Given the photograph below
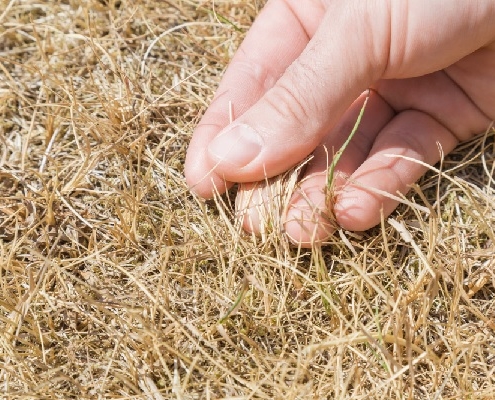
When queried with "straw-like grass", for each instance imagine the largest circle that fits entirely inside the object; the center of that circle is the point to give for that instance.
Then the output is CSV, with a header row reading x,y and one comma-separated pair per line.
x,y
116,283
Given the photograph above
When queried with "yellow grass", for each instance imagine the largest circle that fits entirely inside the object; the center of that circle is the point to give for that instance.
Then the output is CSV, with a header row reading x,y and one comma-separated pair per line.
x,y
115,282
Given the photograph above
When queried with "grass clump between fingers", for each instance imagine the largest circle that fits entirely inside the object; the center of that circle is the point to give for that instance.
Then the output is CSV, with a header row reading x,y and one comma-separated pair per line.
x,y
113,278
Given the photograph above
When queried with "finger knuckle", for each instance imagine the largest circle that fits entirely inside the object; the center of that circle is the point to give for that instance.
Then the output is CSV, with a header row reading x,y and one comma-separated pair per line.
x,y
288,104
294,95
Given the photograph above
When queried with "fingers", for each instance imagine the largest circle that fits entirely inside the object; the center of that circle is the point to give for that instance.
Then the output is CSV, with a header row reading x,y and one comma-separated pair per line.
x,y
439,96
476,76
411,134
276,39
358,199
308,219
436,95
292,117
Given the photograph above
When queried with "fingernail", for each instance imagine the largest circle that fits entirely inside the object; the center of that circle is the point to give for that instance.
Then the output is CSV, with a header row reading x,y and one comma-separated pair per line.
x,y
237,145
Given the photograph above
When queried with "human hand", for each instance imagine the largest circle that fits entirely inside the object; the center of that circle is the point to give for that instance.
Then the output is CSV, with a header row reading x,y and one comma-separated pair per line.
x,y
296,85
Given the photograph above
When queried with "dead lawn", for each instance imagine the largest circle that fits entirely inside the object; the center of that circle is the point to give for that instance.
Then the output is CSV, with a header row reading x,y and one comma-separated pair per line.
x,y
116,283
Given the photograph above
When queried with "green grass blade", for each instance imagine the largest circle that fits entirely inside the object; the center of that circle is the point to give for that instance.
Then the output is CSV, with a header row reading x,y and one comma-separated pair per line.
x,y
336,158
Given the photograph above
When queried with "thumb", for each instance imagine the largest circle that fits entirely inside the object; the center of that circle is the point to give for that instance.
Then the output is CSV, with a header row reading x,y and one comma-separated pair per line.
x,y
289,121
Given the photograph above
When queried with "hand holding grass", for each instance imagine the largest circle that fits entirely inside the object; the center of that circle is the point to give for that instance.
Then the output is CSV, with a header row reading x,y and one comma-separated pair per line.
x,y
297,85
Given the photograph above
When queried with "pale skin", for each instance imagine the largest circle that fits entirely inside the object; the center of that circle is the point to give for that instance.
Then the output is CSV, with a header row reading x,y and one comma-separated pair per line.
x,y
297,84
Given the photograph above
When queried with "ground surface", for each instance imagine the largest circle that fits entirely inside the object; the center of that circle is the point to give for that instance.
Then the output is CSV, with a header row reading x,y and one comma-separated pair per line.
x,y
116,283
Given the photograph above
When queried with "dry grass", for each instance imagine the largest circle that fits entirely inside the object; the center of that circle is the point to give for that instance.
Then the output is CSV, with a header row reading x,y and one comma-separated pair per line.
x,y
114,279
